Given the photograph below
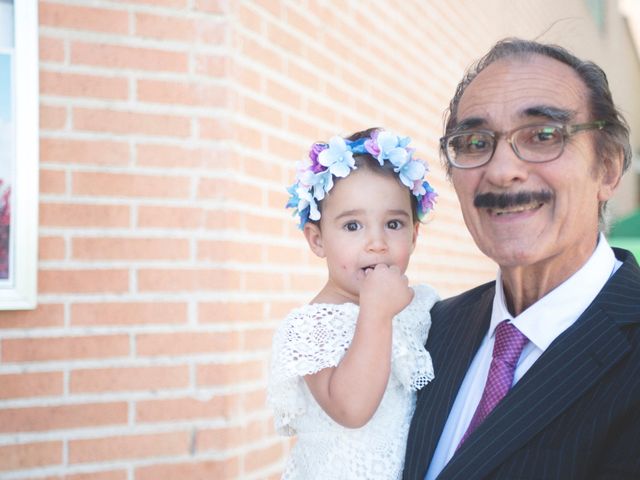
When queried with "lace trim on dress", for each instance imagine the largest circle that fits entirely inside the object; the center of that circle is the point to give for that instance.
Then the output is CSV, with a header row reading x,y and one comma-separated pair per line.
x,y
316,336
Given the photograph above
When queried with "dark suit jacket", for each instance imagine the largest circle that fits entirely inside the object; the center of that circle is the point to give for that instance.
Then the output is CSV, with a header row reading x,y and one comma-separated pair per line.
x,y
574,415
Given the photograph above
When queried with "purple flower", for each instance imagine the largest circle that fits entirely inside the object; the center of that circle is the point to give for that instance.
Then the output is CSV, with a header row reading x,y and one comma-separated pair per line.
x,y
316,148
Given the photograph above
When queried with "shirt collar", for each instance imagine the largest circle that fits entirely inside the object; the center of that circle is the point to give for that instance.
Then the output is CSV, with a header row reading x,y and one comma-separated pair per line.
x,y
564,304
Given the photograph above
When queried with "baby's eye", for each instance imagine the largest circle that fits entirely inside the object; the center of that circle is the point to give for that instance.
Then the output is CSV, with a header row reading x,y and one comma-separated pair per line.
x,y
394,224
352,226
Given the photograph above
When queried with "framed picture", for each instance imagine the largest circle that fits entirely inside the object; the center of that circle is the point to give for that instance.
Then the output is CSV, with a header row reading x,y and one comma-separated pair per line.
x,y
19,137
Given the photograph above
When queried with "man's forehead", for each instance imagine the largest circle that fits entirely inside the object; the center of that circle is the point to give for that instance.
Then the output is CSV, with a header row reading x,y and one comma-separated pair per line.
x,y
511,90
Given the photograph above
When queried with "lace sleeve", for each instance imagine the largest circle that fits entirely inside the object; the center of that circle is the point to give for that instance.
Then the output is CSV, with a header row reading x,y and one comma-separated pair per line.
x,y
310,339
412,364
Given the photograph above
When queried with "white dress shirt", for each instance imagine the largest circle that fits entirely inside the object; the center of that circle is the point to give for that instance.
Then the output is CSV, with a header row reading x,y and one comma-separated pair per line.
x,y
559,308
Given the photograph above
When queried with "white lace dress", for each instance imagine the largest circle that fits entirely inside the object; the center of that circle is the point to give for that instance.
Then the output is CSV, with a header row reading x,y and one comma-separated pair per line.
x,y
317,336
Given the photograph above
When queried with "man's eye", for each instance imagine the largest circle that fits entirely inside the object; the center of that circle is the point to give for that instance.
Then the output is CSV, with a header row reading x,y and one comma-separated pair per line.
x,y
477,143
472,143
352,226
394,224
536,137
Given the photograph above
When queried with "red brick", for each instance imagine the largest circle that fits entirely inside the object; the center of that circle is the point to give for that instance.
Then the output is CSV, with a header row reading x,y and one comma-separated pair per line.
x,y
128,379
165,27
217,188
284,39
178,4
187,280
51,248
277,198
265,281
230,373
129,123
168,156
212,6
278,310
231,312
38,384
83,18
249,18
83,281
129,185
64,348
257,51
156,313
166,410
186,343
52,181
213,32
258,339
223,220
255,401
211,128
283,94
196,470
220,439
263,112
130,249
285,255
84,215
180,218
45,315
301,22
215,66
259,457
266,225
30,455
128,447
257,166
52,118
229,251
249,77
78,85
303,282
120,57
181,93
51,49
110,475
33,419
84,152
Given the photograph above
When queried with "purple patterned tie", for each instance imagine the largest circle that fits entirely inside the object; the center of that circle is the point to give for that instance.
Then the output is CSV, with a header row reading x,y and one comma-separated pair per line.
x,y
506,352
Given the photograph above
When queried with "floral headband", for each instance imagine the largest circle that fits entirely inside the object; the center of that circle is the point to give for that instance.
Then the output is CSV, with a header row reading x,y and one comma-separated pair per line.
x,y
315,178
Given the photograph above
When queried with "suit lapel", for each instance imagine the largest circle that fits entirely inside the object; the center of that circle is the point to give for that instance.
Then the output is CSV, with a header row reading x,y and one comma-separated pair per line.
x,y
455,336
575,361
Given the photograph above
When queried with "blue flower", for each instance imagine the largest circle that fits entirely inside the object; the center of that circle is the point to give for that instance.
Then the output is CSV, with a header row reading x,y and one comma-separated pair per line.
x,y
410,172
387,146
338,158
306,201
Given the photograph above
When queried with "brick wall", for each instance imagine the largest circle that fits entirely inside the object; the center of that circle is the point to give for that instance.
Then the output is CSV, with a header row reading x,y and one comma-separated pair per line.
x,y
168,131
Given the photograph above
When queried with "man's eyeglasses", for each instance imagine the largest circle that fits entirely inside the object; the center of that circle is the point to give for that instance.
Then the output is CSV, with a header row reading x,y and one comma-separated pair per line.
x,y
531,143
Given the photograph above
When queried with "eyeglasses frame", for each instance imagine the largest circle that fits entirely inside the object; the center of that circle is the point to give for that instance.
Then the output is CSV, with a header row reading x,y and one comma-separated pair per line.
x,y
567,132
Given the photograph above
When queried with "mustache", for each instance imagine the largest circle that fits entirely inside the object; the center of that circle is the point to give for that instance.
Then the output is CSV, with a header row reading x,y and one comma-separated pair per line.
x,y
506,200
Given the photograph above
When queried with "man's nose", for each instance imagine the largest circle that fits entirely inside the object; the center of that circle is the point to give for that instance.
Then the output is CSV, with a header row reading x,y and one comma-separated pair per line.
x,y
505,167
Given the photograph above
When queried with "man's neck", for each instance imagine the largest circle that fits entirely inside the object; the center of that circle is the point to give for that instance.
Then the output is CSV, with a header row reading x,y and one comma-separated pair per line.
x,y
525,285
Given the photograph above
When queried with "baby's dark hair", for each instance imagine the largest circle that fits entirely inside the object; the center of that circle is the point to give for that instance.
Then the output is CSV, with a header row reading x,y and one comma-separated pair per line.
x,y
367,162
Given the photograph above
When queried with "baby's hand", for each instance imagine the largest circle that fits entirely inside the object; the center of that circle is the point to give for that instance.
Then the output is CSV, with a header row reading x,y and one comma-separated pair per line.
x,y
385,291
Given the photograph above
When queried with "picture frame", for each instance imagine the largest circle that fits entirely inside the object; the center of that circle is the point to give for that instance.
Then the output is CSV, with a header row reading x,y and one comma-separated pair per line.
x,y
19,154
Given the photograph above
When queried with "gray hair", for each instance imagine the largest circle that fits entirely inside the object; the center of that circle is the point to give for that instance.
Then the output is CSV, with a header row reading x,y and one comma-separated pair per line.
x,y
613,139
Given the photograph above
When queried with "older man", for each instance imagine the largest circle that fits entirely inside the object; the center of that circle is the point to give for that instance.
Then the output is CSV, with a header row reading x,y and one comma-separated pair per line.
x,y
538,372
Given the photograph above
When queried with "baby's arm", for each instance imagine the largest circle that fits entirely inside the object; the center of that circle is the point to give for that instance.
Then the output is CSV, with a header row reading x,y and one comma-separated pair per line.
x,y
351,392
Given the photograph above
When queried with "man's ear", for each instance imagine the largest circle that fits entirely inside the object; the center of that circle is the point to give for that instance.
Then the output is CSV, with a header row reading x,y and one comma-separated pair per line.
x,y
313,234
611,174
